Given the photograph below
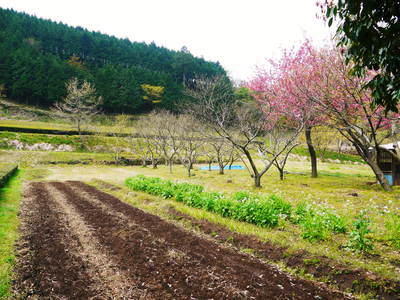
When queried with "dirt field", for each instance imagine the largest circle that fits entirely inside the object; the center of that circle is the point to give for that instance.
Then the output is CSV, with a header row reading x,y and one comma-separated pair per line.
x,y
80,243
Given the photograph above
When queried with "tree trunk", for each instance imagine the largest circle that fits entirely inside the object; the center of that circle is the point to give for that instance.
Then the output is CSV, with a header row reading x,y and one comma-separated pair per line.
x,y
170,166
189,168
221,168
257,181
209,165
79,127
281,175
144,163
311,150
379,175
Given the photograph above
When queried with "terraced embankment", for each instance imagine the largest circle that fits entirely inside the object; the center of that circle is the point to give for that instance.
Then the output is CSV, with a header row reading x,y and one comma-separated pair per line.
x,y
80,243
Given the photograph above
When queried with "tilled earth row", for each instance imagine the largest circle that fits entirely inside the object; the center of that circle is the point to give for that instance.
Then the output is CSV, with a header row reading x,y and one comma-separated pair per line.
x,y
81,243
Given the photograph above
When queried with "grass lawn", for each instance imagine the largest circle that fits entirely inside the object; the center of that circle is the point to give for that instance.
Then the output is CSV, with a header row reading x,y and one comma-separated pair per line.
x,y
9,205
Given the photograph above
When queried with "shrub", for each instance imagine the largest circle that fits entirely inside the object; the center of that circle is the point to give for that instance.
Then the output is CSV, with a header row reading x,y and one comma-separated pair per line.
x,y
317,224
314,228
358,240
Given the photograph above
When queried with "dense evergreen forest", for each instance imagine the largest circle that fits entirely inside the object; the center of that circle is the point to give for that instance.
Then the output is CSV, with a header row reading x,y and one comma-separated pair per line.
x,y
38,56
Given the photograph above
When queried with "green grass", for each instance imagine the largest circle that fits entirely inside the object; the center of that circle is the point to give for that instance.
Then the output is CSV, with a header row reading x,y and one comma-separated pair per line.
x,y
303,151
36,125
9,205
33,138
63,125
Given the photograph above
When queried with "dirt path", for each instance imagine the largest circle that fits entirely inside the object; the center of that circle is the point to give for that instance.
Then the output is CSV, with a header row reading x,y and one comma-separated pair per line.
x,y
81,243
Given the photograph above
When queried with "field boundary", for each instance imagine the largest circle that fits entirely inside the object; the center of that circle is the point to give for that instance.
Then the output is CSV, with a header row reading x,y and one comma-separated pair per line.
x,y
6,172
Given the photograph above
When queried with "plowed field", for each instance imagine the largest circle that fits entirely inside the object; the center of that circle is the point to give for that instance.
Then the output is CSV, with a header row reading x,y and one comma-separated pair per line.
x,y
80,243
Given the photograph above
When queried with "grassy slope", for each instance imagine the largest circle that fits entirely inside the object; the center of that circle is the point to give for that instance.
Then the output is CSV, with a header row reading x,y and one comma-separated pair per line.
x,y
9,206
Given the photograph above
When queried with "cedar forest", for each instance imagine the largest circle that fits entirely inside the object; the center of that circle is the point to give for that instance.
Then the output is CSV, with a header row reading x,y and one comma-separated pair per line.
x,y
38,56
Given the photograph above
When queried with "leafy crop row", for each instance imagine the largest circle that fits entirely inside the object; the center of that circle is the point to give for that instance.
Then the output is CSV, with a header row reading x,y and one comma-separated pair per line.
x,y
263,210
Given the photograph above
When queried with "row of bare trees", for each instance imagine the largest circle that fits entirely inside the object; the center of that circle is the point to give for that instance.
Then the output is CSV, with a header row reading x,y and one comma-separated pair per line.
x,y
261,137
242,134
168,137
216,127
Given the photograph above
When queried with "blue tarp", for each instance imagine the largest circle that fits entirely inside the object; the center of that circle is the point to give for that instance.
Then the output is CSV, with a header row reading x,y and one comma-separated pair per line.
x,y
389,178
235,167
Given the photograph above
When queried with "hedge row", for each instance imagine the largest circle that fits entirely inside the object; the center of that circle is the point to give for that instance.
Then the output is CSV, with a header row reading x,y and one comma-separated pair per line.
x,y
6,171
262,210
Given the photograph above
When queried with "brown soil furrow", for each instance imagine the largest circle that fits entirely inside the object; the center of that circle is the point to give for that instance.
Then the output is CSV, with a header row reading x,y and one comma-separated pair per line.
x,y
46,269
111,282
247,277
337,273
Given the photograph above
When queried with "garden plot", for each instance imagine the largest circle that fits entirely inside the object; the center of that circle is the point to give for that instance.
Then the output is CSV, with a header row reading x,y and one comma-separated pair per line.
x,y
80,243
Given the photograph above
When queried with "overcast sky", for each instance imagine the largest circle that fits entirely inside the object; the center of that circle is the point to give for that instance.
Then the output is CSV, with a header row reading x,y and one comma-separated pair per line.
x,y
239,34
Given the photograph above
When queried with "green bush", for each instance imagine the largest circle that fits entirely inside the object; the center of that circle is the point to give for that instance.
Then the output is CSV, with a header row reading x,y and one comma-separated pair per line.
x,y
314,228
358,240
317,224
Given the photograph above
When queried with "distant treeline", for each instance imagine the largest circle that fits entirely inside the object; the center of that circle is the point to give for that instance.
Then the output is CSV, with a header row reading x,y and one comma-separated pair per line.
x,y
38,56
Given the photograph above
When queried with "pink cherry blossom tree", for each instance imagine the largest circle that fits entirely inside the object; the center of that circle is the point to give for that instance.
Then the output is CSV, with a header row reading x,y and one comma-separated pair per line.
x,y
284,84
317,86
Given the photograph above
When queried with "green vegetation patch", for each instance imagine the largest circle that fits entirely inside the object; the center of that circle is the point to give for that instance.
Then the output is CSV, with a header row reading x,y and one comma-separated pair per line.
x,y
329,155
262,210
32,138
10,196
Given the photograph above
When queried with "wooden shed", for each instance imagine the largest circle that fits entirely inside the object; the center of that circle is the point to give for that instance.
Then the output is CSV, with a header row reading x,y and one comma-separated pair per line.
x,y
390,166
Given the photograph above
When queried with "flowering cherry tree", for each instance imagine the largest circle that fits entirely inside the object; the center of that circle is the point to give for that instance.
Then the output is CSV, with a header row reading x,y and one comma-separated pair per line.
x,y
316,86
285,86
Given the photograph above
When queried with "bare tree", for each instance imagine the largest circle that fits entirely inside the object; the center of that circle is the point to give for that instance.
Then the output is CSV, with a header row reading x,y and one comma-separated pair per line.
x,y
242,124
190,141
116,141
209,154
81,103
150,147
166,136
224,152
280,138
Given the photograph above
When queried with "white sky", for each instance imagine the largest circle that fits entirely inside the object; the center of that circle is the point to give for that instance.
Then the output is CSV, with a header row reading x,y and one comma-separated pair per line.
x,y
239,34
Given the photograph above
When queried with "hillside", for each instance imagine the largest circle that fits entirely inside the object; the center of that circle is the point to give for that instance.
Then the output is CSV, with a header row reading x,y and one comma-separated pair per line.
x,y
38,56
